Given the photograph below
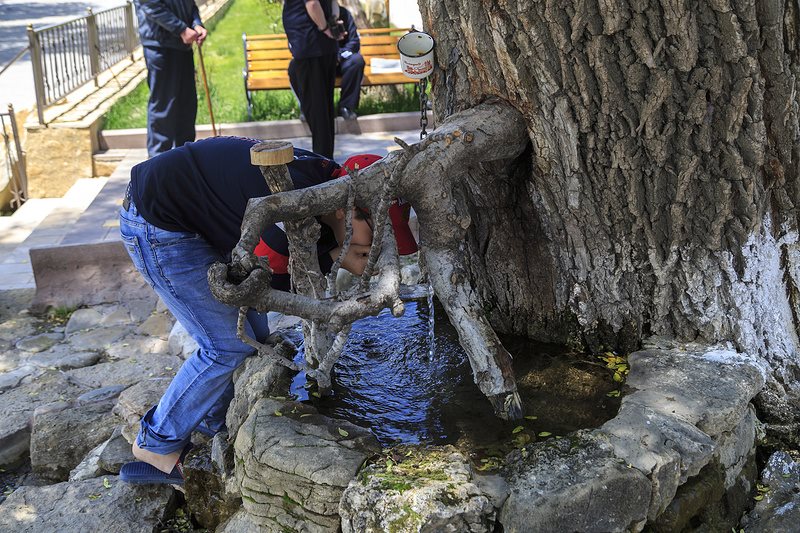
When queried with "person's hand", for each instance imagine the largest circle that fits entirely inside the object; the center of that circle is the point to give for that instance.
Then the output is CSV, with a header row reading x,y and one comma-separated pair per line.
x,y
202,33
188,36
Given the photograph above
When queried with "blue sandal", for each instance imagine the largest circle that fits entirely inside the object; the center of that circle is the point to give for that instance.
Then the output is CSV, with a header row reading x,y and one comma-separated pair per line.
x,y
141,473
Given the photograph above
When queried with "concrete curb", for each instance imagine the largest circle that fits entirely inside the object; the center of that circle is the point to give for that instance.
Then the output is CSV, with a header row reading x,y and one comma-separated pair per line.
x,y
277,129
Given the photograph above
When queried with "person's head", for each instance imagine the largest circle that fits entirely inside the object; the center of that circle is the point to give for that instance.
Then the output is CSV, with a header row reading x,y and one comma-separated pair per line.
x,y
362,219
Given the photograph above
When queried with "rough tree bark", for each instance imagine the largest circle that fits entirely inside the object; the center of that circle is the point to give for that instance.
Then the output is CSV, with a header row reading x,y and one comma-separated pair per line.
x,y
659,195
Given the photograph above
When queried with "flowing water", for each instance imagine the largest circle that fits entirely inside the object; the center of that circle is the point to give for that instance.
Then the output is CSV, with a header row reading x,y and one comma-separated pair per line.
x,y
387,380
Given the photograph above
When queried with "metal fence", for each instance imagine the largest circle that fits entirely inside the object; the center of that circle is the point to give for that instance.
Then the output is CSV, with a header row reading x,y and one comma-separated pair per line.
x,y
14,163
67,55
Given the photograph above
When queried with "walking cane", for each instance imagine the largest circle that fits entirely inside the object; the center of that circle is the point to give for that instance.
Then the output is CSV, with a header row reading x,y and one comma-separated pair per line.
x,y
205,85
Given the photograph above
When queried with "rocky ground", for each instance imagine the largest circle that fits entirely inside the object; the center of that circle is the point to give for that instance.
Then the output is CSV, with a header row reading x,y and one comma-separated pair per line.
x,y
73,385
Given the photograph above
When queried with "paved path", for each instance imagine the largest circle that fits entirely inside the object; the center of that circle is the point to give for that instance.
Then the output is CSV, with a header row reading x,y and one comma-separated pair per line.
x,y
88,212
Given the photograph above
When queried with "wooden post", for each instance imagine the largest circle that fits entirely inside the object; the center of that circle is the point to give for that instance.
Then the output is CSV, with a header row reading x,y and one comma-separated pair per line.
x,y
93,42
130,27
38,75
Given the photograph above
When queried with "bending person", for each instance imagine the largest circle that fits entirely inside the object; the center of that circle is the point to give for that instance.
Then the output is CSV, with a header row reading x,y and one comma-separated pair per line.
x,y
183,212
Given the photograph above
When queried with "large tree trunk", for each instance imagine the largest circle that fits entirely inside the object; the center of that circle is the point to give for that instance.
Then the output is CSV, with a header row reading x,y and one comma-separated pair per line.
x,y
659,193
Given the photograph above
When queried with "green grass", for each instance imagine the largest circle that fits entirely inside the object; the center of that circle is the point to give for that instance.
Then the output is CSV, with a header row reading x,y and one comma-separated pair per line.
x,y
224,59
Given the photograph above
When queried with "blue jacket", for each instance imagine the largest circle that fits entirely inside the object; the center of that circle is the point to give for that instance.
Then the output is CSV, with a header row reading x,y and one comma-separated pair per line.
x,y
162,21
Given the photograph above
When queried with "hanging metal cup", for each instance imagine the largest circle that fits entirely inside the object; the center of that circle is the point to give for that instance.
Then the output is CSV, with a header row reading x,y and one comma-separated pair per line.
x,y
416,54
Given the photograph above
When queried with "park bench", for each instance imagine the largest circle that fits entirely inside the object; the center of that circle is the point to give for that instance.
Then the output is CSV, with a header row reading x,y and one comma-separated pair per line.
x,y
267,59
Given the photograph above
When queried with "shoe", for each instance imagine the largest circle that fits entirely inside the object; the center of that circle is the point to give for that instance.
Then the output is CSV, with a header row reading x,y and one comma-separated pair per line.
x,y
141,473
348,115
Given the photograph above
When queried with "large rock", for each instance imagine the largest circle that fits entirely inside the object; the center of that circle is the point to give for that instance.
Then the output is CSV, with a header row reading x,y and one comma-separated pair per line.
x,y
63,357
17,406
97,339
40,342
128,371
779,507
180,342
293,464
574,484
12,379
62,435
424,489
9,359
136,346
16,328
206,497
87,506
135,401
83,319
157,325
257,378
115,453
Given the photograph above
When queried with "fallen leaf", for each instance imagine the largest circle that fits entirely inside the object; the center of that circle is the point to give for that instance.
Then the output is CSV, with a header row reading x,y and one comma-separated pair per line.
x,y
545,434
106,483
316,395
517,429
342,432
305,415
278,413
531,417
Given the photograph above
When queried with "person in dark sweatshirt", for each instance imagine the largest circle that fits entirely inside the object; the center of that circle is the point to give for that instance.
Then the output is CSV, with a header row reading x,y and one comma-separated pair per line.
x,y
167,29
183,212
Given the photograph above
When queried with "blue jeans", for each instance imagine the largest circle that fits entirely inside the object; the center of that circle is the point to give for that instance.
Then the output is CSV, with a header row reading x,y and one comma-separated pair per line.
x,y
175,264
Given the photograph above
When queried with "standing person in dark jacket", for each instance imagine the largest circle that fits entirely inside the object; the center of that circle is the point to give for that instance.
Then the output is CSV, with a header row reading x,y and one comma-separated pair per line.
x,y
167,29
314,50
350,67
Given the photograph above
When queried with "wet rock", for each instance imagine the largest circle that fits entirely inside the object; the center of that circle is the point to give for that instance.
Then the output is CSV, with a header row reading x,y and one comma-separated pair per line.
x,y
180,343
779,509
292,469
429,490
83,319
206,497
63,357
17,407
157,325
9,380
137,346
60,439
573,484
128,371
97,339
87,506
115,453
39,343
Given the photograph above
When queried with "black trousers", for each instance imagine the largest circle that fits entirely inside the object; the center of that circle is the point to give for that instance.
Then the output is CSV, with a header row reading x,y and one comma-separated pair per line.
x,y
352,72
314,79
172,108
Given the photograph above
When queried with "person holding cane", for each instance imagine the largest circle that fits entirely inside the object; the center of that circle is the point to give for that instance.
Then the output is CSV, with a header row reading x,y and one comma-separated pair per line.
x,y
167,29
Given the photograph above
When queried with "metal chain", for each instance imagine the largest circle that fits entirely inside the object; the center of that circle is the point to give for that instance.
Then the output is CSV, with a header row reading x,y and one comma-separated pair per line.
x,y
423,107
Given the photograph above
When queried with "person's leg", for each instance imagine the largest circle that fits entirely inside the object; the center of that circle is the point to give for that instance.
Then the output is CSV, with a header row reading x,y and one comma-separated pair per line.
x,y
317,78
185,110
175,264
352,70
160,79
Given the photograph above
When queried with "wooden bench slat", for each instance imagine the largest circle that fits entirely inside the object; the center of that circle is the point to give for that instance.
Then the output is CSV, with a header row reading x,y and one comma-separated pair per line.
x,y
278,44
267,59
